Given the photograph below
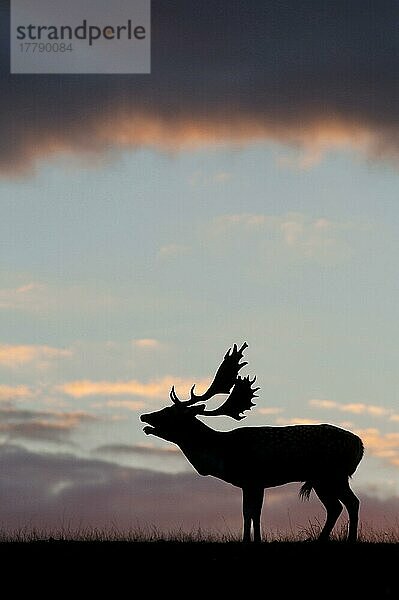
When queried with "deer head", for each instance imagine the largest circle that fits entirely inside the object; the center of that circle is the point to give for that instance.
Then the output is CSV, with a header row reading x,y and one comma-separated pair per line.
x,y
169,421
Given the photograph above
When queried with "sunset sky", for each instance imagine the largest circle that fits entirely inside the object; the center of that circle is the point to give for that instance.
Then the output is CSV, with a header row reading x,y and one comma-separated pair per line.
x,y
246,190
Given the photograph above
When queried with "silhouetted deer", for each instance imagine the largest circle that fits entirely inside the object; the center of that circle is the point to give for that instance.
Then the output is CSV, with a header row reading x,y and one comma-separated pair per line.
x,y
255,458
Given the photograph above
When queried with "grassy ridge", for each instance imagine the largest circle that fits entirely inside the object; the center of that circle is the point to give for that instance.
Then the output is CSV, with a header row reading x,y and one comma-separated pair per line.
x,y
302,569
141,563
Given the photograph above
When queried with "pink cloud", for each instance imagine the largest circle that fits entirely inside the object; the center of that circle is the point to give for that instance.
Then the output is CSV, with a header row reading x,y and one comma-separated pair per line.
x,y
45,490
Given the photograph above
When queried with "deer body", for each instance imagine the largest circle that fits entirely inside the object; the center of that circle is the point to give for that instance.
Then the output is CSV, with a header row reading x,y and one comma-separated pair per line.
x,y
271,456
255,458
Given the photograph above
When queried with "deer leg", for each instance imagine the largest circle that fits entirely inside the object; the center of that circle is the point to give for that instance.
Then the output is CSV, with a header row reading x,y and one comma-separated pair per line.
x,y
351,503
257,502
246,513
333,508
252,508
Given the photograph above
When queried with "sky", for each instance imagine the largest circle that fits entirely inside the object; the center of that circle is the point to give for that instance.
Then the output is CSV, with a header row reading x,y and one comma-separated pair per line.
x,y
245,190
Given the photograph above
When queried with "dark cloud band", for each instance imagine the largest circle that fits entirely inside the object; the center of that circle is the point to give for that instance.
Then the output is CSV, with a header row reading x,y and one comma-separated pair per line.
x,y
46,490
313,73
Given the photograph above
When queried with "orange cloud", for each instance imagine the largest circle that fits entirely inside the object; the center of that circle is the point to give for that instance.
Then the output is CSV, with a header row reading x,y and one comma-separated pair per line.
x,y
272,410
315,135
19,355
159,388
358,408
140,130
323,403
147,343
381,445
25,297
296,421
9,392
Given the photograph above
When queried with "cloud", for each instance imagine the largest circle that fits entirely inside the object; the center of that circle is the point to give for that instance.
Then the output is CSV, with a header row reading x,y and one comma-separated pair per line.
x,y
143,449
270,411
296,421
332,85
40,425
360,408
28,297
37,297
15,356
14,392
47,490
158,388
149,343
294,234
381,445
323,403
357,408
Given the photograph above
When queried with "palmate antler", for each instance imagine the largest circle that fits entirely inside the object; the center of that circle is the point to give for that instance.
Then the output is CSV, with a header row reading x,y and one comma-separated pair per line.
x,y
226,380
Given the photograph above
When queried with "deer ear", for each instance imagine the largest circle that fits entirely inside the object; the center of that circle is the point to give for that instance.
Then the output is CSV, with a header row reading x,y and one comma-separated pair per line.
x,y
197,409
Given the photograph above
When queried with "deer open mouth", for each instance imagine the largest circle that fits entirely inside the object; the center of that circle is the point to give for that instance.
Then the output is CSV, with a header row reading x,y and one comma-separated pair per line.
x,y
148,429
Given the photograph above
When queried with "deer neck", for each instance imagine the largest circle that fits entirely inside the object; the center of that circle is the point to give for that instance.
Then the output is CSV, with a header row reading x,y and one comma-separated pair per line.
x,y
194,434
200,444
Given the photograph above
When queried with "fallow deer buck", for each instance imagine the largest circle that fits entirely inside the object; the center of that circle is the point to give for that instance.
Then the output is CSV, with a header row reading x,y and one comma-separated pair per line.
x,y
323,457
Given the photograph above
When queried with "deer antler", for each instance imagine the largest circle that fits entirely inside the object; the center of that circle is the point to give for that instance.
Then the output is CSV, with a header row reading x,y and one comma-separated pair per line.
x,y
225,377
173,396
239,400
226,380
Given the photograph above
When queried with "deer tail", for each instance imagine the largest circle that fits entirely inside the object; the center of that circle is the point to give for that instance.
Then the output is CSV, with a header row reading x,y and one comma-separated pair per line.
x,y
304,492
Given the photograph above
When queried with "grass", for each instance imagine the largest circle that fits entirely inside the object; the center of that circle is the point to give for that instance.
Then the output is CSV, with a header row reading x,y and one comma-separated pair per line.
x,y
151,534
